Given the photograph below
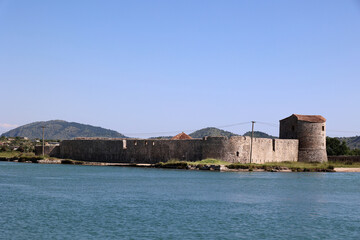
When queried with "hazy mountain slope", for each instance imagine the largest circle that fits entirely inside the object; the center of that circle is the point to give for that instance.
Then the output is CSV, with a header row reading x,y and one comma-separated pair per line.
x,y
161,137
259,134
58,129
212,132
352,142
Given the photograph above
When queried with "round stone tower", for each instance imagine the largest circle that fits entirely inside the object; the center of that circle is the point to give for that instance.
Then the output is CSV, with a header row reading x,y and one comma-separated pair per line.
x,y
311,132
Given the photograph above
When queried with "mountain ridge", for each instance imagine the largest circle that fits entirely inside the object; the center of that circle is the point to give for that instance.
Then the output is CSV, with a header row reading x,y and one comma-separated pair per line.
x,y
61,130
351,142
211,132
259,134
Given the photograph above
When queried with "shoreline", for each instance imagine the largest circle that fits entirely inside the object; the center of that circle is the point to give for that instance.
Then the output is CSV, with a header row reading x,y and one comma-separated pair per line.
x,y
196,167
347,169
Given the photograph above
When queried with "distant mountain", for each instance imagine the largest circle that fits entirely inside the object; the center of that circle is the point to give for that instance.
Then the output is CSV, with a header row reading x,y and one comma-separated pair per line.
x,y
211,132
259,134
216,132
161,137
58,129
352,142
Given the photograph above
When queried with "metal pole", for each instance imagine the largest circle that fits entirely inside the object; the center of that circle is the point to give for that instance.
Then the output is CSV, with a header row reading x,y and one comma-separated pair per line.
x,y
43,143
252,136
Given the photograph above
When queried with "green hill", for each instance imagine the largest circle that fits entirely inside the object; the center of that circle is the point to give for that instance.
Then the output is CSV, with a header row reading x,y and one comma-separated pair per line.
x,y
259,134
58,129
216,132
161,137
351,142
211,132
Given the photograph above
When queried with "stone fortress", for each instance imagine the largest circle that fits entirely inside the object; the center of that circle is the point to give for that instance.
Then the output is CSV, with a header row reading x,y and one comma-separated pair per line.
x,y
302,138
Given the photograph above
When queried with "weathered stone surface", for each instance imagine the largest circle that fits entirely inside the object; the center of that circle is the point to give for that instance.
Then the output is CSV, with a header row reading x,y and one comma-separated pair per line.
x,y
300,140
310,130
50,161
235,150
50,150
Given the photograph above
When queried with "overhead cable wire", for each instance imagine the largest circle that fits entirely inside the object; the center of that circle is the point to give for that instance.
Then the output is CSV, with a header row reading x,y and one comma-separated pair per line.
x,y
268,124
156,133
231,125
188,130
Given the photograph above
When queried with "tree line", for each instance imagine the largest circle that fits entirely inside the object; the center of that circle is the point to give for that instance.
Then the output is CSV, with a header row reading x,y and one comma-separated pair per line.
x,y
335,147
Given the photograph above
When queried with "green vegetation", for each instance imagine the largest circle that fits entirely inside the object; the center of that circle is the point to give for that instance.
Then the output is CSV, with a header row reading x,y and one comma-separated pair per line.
x,y
16,144
215,132
209,161
175,164
335,147
293,166
57,129
270,167
347,164
21,157
352,142
10,154
259,134
206,164
211,132
296,166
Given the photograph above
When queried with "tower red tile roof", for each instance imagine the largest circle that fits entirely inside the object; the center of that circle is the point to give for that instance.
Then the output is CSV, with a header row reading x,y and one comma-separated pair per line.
x,y
181,136
310,118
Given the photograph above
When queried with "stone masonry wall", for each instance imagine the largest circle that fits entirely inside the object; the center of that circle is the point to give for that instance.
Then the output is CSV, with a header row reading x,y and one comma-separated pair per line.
x,y
312,142
234,149
311,135
50,150
132,151
237,149
288,128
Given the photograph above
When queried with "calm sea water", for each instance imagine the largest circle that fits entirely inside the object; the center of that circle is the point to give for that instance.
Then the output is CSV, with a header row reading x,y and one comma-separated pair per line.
x,y
88,202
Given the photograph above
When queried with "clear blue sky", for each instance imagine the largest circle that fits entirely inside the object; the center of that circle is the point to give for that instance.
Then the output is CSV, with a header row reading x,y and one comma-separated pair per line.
x,y
159,66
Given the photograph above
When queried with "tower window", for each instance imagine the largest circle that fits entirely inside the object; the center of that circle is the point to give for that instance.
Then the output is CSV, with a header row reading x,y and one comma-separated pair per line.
x,y
237,153
273,144
323,128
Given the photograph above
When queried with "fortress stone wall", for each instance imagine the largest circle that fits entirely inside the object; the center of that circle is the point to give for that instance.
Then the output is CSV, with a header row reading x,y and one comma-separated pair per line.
x,y
237,149
49,150
234,149
302,138
131,150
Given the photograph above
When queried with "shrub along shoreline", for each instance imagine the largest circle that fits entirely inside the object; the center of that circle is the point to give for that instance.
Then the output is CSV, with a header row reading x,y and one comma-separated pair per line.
x,y
210,164
206,164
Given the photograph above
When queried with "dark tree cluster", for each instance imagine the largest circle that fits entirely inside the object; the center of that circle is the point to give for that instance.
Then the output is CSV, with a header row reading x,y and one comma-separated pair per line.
x,y
335,147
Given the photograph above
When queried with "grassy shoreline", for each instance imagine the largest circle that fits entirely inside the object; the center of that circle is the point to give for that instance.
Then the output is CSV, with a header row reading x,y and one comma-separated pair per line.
x,y
270,167
206,164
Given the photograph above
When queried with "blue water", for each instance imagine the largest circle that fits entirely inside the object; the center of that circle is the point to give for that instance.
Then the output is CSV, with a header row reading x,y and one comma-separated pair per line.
x,y
39,201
